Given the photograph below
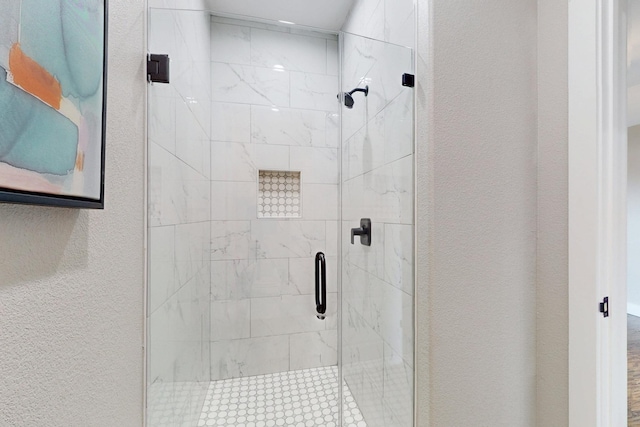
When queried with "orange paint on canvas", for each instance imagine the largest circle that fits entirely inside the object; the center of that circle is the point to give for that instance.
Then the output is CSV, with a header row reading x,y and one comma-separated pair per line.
x,y
33,78
80,162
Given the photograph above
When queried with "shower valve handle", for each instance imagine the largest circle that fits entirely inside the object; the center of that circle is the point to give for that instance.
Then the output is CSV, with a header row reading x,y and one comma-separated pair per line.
x,y
364,232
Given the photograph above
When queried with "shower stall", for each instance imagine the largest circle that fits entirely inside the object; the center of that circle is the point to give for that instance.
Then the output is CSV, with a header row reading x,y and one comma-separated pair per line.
x,y
280,223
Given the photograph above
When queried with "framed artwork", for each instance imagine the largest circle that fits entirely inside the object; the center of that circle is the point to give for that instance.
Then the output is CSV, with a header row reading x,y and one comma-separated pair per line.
x,y
53,64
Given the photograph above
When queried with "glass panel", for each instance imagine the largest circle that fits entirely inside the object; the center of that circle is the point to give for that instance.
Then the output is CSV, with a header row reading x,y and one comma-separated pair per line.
x,y
377,280
243,193
179,221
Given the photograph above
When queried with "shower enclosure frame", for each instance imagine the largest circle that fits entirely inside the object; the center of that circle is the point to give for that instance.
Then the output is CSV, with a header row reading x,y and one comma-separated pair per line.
x,y
340,35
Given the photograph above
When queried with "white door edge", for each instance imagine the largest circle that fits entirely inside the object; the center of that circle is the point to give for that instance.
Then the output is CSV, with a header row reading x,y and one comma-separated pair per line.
x,y
597,213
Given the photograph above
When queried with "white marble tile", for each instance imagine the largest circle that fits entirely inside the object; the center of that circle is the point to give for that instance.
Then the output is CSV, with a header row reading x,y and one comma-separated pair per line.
x,y
399,23
176,361
360,56
230,320
287,239
268,277
286,314
231,240
162,121
230,43
287,126
314,91
398,127
332,124
365,150
252,356
162,283
191,79
241,162
230,122
398,389
363,352
332,242
366,19
320,201
371,400
229,280
385,194
302,275
188,128
398,256
191,250
179,319
293,52
249,85
193,29
385,78
233,201
396,320
177,193
195,153
163,35
316,165
314,349
333,58
240,279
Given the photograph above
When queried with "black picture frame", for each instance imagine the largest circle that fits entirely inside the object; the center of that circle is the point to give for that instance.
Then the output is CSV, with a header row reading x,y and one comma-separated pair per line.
x,y
8,195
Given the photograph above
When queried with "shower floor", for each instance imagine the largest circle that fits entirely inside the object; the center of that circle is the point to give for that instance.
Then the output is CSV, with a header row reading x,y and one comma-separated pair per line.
x,y
306,398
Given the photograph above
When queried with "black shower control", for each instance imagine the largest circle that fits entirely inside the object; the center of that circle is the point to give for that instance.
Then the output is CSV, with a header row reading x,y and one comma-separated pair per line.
x,y
364,232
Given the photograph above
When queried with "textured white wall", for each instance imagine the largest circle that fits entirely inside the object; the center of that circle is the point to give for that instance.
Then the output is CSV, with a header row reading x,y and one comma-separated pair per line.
x,y
478,294
633,222
552,297
71,281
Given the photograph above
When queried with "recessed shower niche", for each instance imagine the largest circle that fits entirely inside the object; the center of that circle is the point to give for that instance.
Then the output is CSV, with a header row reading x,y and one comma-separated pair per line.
x,y
279,194
256,166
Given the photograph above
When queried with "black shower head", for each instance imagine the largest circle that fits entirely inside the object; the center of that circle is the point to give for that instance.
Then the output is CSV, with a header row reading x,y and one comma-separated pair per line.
x,y
348,98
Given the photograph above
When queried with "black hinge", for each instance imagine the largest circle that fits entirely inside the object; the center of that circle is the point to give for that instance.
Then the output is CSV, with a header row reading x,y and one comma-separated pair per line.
x,y
408,80
158,68
604,307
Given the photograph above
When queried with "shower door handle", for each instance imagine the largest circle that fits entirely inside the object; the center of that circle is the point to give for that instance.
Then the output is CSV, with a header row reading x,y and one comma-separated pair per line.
x,y
321,285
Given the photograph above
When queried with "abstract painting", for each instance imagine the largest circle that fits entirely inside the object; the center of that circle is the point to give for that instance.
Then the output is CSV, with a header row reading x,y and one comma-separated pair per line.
x,y
52,102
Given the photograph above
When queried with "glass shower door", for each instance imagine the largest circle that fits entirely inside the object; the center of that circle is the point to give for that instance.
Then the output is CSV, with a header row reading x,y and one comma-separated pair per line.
x,y
377,183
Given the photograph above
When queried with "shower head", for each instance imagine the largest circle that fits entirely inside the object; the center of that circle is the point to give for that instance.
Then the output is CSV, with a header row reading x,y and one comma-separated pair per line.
x,y
348,98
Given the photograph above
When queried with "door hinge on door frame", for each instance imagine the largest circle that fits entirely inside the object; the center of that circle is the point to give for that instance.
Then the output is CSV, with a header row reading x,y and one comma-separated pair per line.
x,y
604,307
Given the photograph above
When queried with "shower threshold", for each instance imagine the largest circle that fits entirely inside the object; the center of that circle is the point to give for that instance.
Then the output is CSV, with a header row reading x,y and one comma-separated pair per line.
x,y
304,398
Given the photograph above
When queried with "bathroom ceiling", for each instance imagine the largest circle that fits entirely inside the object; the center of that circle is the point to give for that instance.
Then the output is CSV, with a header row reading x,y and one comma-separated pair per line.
x,y
322,14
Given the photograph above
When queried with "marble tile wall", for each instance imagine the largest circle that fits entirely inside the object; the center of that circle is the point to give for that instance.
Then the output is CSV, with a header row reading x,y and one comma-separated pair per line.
x,y
179,215
377,282
274,107
392,21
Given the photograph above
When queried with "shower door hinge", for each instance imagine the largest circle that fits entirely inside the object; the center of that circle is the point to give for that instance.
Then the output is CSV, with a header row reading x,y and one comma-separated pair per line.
x,y
408,80
604,307
158,68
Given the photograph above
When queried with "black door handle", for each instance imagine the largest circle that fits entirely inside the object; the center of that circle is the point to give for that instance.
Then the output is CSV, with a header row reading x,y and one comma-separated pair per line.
x,y
364,232
321,285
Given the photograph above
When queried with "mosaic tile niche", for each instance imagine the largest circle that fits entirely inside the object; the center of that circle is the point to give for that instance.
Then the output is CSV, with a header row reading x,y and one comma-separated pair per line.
x,y
279,194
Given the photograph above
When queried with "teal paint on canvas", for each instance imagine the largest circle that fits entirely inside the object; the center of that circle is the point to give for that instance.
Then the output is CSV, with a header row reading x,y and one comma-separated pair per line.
x,y
65,37
33,135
